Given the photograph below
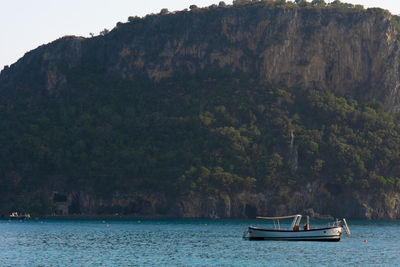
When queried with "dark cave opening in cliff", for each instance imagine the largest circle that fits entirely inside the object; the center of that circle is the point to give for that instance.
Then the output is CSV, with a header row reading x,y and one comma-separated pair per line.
x,y
250,211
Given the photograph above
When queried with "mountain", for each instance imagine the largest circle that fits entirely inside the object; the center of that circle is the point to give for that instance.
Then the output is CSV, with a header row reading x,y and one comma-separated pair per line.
x,y
221,112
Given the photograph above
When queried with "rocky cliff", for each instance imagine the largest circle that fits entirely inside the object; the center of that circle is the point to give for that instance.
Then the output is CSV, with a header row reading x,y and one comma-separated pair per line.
x,y
351,51
318,200
148,105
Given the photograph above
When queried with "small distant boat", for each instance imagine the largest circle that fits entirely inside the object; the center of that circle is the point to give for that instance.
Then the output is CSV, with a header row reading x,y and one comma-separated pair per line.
x,y
14,215
332,232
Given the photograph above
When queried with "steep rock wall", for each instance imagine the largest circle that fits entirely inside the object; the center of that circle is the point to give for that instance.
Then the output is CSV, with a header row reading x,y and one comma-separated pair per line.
x,y
318,200
352,52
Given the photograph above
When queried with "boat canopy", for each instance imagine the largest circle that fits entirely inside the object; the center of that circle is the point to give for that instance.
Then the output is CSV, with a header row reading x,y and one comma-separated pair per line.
x,y
278,218
295,222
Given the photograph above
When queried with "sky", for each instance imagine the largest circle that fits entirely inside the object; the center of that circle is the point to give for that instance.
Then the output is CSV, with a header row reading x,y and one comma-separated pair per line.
x,y
27,24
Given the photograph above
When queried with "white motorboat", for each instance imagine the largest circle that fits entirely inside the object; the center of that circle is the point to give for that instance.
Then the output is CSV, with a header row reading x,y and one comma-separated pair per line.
x,y
332,232
16,216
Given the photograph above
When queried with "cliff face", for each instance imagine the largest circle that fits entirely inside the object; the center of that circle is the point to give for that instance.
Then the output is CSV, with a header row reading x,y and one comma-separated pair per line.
x,y
315,200
353,52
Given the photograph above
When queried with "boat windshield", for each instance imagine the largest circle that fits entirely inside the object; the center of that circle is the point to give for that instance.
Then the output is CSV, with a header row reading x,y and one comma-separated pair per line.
x,y
277,224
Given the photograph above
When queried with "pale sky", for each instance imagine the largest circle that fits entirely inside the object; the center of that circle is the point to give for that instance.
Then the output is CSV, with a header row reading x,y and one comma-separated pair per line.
x,y
26,24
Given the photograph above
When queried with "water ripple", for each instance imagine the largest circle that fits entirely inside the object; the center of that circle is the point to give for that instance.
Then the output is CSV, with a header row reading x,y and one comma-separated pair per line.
x,y
184,243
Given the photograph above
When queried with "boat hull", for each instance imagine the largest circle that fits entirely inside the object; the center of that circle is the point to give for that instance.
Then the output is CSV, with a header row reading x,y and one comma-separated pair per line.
x,y
331,234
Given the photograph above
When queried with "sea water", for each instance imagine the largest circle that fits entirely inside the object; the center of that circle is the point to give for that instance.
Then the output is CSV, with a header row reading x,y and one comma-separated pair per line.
x,y
187,243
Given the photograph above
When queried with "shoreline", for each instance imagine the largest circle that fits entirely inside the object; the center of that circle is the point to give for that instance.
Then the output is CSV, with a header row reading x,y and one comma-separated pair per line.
x,y
115,217
93,217
139,218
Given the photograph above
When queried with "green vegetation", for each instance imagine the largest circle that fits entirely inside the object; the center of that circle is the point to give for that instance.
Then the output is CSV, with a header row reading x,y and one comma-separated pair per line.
x,y
206,134
193,7
104,32
164,11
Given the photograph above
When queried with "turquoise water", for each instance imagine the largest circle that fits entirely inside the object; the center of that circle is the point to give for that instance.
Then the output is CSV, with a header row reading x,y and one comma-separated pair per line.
x,y
187,243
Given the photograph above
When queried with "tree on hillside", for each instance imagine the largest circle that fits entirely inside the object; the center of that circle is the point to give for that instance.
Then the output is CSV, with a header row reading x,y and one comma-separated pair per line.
x,y
302,3
241,2
318,3
104,32
280,2
132,19
222,4
164,11
336,3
